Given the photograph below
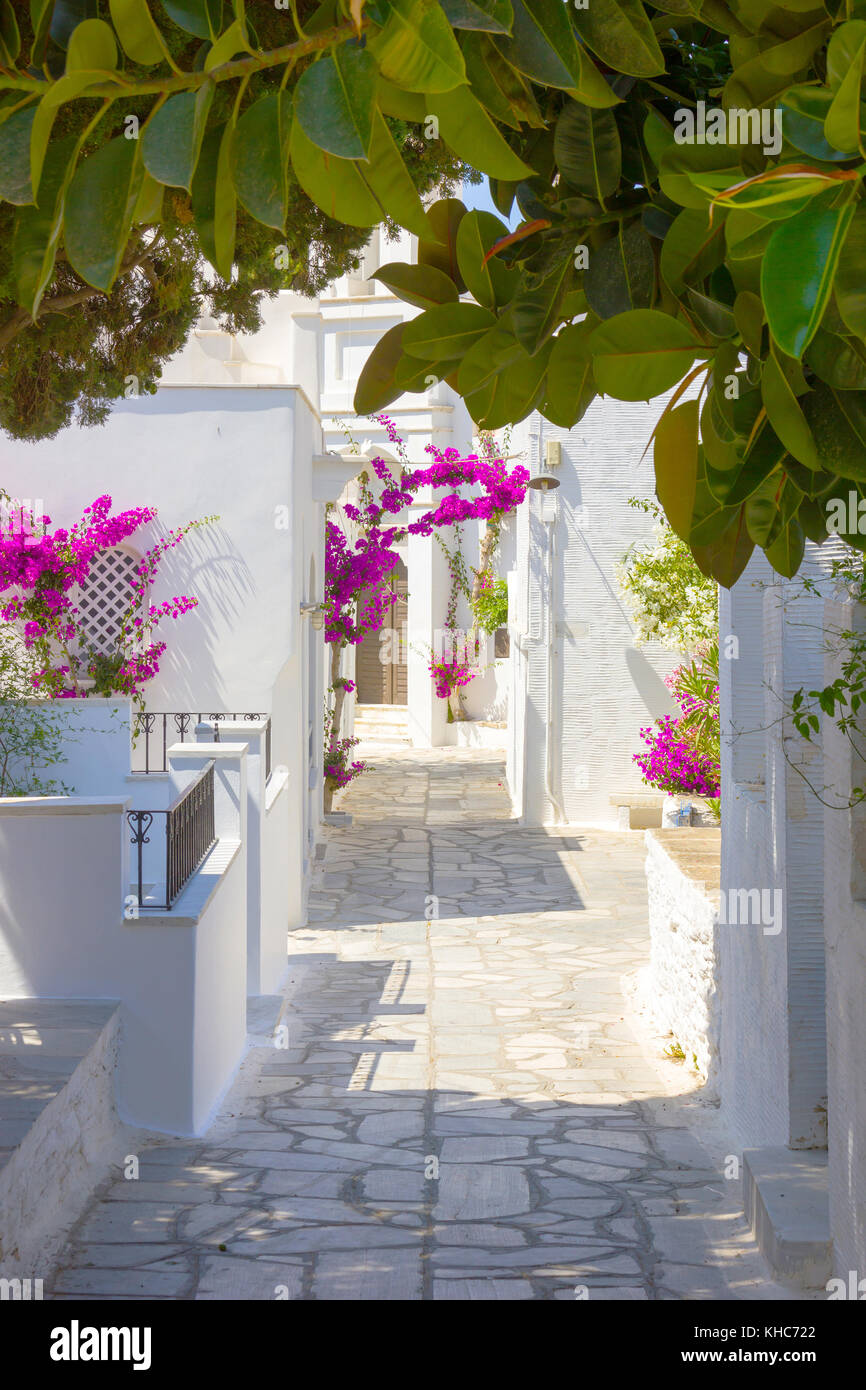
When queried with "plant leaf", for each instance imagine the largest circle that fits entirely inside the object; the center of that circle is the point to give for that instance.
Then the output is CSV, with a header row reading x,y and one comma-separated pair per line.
x,y
641,354
98,211
797,273
335,99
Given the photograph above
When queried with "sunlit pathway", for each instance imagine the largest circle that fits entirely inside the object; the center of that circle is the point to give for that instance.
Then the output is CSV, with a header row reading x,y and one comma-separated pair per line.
x,y
457,1106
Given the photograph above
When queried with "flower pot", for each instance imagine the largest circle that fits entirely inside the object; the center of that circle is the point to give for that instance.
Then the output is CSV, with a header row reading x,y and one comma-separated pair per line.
x,y
677,811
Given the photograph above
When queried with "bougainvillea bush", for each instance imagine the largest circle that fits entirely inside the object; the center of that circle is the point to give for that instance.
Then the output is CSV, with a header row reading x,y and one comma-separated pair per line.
x,y
682,754
357,597
43,569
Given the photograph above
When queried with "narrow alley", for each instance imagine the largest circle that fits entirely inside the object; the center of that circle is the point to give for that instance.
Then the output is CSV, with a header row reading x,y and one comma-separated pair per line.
x,y
453,1103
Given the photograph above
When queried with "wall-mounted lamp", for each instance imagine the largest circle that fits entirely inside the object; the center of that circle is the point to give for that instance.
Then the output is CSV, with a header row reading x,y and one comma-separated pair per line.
x,y
315,613
543,482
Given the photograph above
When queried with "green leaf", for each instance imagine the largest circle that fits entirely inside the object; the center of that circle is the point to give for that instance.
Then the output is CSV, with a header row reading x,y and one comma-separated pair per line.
x,y
850,284
376,385
259,157
63,90
511,395
749,318
417,50
570,382
439,247
334,101
797,274
586,147
214,201
786,552
838,424
92,48
98,211
10,35
194,16
492,16
621,272
804,111
15,133
620,32
842,50
641,354
137,31
481,58
675,455
41,14
725,557
393,101
492,284
171,140
421,285
541,44
448,331
37,229
842,126
488,358
785,415
390,182
465,126
841,362
66,14
538,312
335,185
693,246
232,42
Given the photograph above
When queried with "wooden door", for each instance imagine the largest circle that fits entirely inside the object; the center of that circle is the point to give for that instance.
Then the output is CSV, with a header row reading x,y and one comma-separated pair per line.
x,y
380,664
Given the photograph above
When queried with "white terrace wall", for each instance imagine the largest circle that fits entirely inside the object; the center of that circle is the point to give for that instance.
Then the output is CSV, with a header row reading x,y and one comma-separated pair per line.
x,y
581,688
771,970
845,929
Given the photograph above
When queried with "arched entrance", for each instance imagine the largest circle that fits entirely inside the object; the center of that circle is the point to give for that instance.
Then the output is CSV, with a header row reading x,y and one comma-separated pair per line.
x,y
380,664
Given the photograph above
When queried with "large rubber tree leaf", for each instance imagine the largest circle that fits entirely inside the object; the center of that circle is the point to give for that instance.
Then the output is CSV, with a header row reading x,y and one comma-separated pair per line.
x,y
541,44
171,141
725,557
417,49
621,272
139,36
837,420
490,282
641,354
37,229
376,386
214,200
797,274
492,16
786,552
448,331
537,312
620,32
98,212
693,246
421,285
465,126
570,382
390,182
15,133
850,283
842,124
334,101
259,158
675,455
439,247
841,362
199,17
512,394
488,358
804,111
785,415
10,35
587,150
334,184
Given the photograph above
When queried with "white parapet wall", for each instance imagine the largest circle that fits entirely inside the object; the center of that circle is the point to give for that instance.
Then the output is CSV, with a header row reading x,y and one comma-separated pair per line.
x,y
180,975
679,988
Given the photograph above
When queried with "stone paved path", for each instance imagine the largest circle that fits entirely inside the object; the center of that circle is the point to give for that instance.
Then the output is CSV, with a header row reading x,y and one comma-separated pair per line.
x,y
461,1109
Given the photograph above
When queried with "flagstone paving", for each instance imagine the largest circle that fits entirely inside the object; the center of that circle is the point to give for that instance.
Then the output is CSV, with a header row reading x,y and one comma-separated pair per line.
x,y
455,1105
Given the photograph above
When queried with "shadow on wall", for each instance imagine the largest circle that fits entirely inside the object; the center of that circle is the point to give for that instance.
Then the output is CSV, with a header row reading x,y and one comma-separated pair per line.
x,y
649,684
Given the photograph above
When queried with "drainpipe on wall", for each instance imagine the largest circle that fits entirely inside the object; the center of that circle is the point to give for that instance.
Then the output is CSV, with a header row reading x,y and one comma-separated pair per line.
x,y
552,730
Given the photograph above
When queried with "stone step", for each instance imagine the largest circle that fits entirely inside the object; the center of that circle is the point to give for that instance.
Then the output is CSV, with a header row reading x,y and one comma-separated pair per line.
x,y
787,1205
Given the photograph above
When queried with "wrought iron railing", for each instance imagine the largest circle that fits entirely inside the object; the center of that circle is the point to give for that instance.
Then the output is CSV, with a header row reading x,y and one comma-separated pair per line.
x,y
153,735
189,836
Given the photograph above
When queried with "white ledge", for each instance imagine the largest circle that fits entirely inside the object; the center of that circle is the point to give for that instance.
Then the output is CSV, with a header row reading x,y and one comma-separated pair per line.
x,y
195,897
63,805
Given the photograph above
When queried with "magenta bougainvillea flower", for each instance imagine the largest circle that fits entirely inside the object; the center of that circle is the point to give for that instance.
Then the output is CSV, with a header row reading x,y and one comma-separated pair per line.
x,y
43,569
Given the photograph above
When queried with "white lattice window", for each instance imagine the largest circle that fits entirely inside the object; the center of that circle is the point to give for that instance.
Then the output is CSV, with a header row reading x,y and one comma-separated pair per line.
x,y
104,598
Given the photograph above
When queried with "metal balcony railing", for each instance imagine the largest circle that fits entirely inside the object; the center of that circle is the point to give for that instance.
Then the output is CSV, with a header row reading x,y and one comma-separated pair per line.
x,y
154,733
189,836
